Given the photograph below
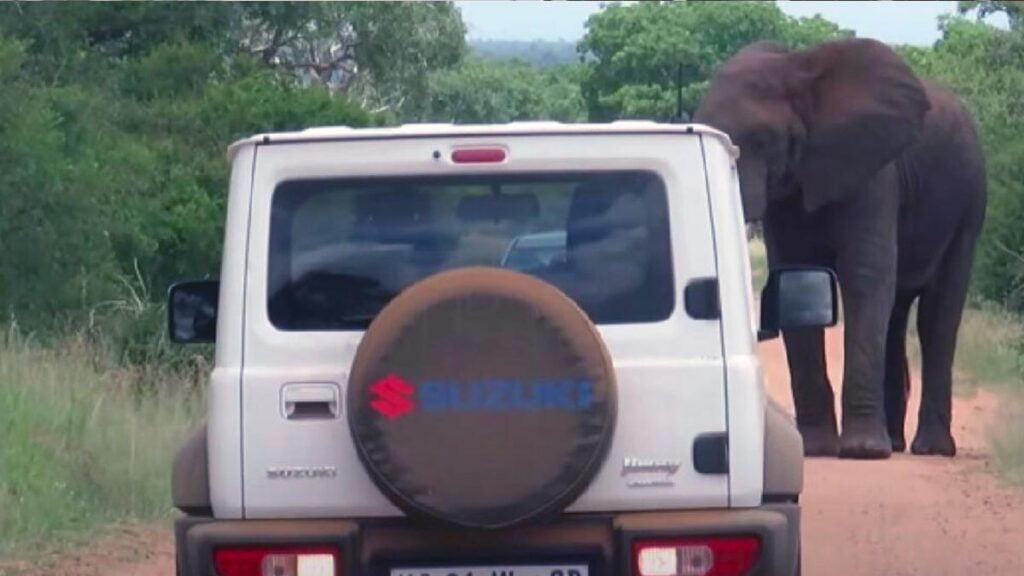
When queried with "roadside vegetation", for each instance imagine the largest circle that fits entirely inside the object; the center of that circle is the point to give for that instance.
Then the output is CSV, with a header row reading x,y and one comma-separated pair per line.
x,y
113,123
990,354
82,445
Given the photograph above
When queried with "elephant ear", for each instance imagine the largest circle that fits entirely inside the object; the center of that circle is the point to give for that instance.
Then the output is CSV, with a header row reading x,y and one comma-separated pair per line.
x,y
862,106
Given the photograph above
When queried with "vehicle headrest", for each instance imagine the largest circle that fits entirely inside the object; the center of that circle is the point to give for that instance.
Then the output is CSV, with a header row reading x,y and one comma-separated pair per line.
x,y
599,210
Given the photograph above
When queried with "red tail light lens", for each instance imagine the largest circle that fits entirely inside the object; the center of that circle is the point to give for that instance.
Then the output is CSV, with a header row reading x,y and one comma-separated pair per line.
x,y
478,155
277,561
720,556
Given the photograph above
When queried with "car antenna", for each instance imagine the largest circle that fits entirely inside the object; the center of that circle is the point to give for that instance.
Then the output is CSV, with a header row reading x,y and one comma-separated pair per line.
x,y
680,117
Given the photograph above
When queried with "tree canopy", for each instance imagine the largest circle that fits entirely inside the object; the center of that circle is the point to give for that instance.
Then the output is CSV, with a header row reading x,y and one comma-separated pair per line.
x,y
638,54
481,91
115,118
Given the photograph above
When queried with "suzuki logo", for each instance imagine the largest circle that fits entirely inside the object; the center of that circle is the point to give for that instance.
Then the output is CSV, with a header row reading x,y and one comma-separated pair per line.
x,y
392,397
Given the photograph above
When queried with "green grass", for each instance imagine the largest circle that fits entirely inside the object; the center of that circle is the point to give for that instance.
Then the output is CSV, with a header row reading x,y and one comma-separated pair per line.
x,y
989,350
1008,440
990,354
82,445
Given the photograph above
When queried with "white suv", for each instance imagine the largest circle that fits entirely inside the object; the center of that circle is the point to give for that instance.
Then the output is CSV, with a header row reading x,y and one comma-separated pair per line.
x,y
397,392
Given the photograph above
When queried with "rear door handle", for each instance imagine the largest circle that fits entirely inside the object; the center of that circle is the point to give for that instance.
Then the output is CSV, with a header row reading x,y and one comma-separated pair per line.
x,y
310,401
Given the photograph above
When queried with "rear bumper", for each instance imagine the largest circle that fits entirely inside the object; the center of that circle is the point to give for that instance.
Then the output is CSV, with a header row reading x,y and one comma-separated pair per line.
x,y
372,547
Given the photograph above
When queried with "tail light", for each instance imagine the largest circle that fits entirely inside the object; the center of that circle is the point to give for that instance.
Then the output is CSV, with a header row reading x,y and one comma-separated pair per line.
x,y
720,556
277,561
479,155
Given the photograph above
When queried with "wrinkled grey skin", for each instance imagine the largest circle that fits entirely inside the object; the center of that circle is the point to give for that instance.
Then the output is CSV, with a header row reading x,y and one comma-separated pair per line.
x,y
854,163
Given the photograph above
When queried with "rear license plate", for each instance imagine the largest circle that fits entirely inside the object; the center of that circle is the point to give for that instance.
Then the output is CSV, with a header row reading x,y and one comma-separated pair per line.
x,y
527,570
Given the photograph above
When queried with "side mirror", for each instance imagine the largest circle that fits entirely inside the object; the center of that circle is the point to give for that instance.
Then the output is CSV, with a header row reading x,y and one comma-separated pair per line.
x,y
192,311
798,298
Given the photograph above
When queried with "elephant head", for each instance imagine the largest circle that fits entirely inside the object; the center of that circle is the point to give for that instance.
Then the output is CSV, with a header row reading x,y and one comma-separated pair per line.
x,y
818,122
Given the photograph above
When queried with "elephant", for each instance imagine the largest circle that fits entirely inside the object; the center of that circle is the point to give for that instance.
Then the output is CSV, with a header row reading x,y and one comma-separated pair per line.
x,y
852,162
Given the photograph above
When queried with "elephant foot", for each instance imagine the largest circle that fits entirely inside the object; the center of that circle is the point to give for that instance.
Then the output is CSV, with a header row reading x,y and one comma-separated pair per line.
x,y
864,440
933,442
899,444
899,441
821,440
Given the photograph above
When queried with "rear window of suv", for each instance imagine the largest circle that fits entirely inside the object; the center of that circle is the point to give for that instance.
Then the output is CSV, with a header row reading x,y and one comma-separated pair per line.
x,y
341,249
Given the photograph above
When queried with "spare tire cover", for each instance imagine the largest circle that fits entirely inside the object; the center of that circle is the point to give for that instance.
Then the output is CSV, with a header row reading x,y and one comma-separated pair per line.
x,y
483,398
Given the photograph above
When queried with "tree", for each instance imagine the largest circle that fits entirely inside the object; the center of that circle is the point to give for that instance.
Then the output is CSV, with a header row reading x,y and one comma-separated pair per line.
x,y
56,250
636,54
380,52
67,43
482,91
540,53
1014,11
112,167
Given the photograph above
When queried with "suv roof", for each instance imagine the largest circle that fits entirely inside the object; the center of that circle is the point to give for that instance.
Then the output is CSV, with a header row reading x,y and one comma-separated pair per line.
x,y
323,133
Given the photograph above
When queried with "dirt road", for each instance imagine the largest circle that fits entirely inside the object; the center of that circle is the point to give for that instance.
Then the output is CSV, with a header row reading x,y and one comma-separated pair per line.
x,y
909,516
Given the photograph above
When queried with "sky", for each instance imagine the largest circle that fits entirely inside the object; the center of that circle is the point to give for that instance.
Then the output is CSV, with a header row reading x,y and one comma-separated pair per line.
x,y
892,22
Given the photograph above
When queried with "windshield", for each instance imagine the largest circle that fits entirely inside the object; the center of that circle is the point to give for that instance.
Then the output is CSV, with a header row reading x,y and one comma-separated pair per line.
x,y
342,249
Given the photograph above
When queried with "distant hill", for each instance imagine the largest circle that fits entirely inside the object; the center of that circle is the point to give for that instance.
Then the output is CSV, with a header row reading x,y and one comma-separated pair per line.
x,y
541,53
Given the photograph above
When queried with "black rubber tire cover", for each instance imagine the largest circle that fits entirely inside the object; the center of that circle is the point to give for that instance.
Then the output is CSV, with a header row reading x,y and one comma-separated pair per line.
x,y
483,398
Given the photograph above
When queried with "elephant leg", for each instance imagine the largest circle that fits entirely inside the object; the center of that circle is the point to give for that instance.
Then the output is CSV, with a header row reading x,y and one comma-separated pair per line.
x,y
938,321
865,433
897,371
866,246
812,392
791,243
